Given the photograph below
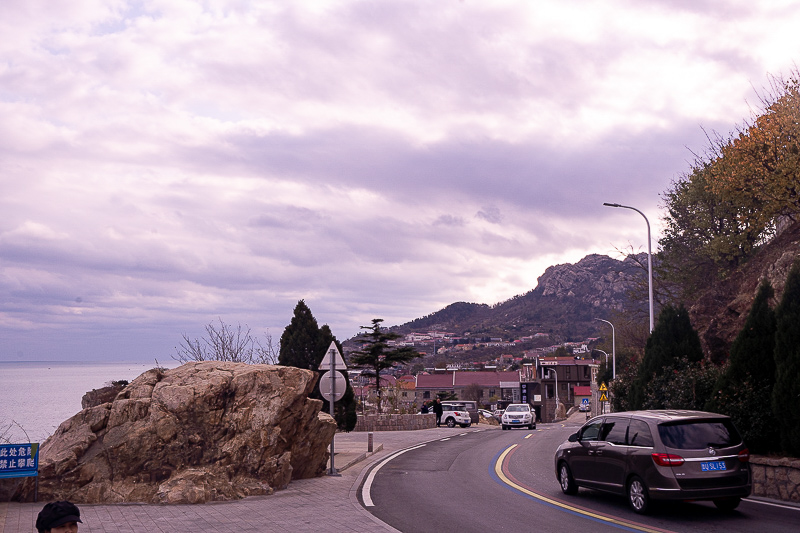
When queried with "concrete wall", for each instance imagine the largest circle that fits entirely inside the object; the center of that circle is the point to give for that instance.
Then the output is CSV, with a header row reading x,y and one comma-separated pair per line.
x,y
395,422
777,478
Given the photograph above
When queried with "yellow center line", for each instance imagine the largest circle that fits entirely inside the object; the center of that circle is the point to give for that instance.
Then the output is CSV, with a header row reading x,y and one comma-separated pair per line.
x,y
498,469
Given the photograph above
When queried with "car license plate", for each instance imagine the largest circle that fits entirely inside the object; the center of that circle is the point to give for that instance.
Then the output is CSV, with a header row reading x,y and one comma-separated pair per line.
x,y
712,466
515,421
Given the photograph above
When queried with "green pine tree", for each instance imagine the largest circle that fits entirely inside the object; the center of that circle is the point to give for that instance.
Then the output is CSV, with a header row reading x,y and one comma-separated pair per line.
x,y
303,345
786,393
672,340
376,355
300,342
742,390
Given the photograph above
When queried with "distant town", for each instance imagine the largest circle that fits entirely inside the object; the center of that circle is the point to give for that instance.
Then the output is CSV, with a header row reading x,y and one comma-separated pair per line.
x,y
549,377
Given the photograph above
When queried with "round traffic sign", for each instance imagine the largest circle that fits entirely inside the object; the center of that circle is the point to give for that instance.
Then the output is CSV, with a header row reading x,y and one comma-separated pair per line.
x,y
325,386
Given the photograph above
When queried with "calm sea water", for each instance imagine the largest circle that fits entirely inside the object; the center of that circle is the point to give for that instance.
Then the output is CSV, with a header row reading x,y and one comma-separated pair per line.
x,y
35,397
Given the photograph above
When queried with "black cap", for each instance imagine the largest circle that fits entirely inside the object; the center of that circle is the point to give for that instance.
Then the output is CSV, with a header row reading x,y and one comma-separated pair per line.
x,y
57,514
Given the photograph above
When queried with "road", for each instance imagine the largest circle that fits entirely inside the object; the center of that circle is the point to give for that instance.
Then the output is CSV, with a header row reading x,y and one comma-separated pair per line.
x,y
483,479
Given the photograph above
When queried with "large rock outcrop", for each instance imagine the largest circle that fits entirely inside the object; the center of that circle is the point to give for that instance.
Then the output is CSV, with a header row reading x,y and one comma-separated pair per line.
x,y
719,313
200,432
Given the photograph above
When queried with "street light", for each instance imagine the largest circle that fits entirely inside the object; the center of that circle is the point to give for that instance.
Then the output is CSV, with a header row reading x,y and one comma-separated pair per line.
x,y
614,347
649,259
553,370
604,353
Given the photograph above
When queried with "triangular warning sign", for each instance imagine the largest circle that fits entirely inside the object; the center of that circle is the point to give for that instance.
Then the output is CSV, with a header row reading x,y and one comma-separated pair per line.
x,y
603,386
332,356
603,397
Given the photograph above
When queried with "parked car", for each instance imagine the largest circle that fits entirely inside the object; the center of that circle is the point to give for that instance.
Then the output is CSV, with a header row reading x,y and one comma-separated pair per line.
x,y
455,413
518,415
658,455
472,409
498,414
584,407
485,414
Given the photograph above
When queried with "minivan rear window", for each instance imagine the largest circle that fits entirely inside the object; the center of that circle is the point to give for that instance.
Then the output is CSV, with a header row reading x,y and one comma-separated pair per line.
x,y
698,434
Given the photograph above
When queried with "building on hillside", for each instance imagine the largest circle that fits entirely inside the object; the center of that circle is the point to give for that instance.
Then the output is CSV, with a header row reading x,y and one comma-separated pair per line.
x,y
494,386
559,377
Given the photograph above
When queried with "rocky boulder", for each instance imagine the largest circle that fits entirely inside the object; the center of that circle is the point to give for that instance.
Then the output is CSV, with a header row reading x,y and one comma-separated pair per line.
x,y
719,312
102,395
200,432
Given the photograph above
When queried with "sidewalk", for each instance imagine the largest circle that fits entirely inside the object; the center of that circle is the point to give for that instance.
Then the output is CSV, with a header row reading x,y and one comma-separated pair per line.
x,y
327,503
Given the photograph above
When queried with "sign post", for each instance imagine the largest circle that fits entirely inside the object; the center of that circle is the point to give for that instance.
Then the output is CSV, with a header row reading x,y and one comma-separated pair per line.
x,y
603,397
332,386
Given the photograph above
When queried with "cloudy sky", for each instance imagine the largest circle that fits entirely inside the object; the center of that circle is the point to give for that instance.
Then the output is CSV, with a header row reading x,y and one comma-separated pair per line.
x,y
164,163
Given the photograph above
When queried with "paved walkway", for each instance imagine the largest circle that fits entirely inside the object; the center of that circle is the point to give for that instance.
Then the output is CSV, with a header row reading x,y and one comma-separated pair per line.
x,y
325,504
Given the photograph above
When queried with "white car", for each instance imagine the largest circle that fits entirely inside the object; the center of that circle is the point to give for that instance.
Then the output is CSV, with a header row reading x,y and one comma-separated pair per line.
x,y
453,413
518,415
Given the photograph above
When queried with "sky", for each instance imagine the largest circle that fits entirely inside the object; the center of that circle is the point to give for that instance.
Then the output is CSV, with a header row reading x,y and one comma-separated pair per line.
x,y
165,164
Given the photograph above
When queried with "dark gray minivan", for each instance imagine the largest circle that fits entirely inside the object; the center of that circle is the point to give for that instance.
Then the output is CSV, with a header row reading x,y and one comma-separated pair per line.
x,y
657,455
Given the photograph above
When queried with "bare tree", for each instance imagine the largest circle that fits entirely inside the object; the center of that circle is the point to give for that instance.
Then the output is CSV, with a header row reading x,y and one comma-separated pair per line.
x,y
226,343
473,392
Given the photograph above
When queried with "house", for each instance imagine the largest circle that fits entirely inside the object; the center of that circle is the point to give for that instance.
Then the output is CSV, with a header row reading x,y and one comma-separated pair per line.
x,y
559,377
484,384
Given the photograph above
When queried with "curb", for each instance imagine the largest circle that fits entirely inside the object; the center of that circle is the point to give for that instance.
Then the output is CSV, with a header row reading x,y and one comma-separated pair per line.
x,y
359,458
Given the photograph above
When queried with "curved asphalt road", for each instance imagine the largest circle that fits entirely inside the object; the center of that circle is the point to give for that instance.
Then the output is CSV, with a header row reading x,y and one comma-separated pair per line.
x,y
482,479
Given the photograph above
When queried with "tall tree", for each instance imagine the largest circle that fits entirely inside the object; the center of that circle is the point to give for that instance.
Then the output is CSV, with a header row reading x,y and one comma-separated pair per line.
x,y
673,340
300,342
764,159
786,393
741,391
705,233
303,345
376,355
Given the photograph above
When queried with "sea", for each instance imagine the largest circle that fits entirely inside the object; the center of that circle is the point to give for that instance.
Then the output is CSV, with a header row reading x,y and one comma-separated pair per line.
x,y
35,397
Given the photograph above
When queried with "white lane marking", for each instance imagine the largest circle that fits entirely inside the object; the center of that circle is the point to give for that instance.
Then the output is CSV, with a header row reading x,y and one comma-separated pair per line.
x,y
444,439
368,483
762,502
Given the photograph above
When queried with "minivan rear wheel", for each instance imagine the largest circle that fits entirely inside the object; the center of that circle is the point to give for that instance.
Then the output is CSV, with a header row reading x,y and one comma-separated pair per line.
x,y
637,495
568,485
727,504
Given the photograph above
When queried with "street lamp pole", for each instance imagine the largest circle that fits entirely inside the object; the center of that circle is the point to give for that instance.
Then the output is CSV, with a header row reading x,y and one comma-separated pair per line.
x,y
553,370
649,259
613,347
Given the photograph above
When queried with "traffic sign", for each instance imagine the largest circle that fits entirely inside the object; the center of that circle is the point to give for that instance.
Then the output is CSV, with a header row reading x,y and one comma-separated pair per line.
x,y
603,397
603,386
332,356
327,385
585,401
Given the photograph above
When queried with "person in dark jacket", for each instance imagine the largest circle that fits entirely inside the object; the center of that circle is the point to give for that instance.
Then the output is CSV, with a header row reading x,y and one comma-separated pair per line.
x,y
437,409
58,517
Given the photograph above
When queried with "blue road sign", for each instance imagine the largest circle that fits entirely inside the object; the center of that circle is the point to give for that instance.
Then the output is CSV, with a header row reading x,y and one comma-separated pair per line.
x,y
19,460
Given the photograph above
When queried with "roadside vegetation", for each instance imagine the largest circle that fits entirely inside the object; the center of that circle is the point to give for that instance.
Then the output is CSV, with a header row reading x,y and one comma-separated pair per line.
x,y
737,197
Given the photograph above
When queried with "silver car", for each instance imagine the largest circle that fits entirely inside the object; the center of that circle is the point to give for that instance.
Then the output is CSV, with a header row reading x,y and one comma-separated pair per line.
x,y
658,455
518,415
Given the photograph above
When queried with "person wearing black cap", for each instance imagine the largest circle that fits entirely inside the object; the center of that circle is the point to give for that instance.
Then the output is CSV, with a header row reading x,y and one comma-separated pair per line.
x,y
58,517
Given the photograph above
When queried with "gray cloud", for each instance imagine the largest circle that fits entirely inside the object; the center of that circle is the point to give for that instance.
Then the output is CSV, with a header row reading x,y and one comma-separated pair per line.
x,y
162,165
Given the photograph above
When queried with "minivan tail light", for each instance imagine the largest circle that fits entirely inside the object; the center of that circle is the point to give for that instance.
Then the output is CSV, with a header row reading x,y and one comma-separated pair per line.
x,y
744,456
667,459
